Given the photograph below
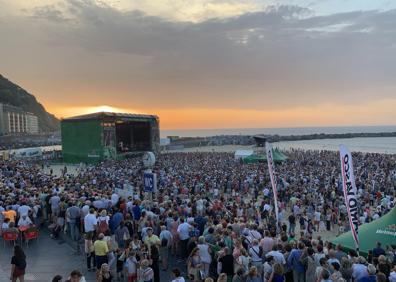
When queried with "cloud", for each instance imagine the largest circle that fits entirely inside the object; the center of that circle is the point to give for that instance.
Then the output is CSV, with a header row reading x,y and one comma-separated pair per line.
x,y
276,58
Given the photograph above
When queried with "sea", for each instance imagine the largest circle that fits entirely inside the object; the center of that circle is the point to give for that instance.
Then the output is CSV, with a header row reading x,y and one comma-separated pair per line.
x,y
383,145
284,131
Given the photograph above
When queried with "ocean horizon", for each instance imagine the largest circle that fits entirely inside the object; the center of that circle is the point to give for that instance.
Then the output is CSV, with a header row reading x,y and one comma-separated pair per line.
x,y
282,131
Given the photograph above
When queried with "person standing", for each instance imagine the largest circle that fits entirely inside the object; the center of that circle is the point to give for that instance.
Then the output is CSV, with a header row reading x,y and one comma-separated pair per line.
x,y
294,261
73,216
184,235
166,243
89,250
18,265
204,253
90,221
101,250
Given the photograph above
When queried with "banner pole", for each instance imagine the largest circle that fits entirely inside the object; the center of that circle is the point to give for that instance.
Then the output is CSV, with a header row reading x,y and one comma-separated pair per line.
x,y
271,169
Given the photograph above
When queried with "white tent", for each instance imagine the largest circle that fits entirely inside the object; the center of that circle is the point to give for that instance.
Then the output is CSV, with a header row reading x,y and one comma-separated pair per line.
x,y
241,154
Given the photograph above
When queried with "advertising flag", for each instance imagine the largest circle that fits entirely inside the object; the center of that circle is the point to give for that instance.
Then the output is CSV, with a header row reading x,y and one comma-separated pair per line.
x,y
350,192
271,168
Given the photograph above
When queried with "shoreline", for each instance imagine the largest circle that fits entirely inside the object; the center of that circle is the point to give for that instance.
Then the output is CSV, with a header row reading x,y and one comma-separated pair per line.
x,y
230,143
365,143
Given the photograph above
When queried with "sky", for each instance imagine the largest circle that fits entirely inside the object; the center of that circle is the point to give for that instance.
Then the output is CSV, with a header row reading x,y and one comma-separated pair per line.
x,y
205,63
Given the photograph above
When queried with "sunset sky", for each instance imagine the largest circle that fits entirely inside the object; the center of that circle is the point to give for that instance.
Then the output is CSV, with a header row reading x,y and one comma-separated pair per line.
x,y
206,63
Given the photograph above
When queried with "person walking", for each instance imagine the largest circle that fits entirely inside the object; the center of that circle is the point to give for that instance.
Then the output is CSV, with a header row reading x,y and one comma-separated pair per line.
x,y
101,250
18,265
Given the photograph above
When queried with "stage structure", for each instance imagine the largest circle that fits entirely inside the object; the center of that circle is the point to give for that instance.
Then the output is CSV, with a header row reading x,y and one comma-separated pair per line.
x,y
99,136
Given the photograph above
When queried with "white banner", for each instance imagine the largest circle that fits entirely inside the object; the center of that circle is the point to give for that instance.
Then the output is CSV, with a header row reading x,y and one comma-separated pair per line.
x,y
271,168
350,192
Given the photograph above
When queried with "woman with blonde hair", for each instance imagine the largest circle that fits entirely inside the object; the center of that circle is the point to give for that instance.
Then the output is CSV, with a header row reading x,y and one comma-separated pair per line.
x,y
194,265
204,253
253,275
104,274
277,274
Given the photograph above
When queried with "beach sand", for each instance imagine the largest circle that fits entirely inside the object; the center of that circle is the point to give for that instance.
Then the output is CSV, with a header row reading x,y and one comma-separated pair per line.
x,y
220,148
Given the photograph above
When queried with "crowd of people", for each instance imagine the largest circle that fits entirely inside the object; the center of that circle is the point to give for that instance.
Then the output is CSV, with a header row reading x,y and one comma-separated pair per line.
x,y
211,216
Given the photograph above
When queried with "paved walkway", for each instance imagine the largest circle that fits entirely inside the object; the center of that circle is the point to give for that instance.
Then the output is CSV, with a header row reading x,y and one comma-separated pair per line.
x,y
45,259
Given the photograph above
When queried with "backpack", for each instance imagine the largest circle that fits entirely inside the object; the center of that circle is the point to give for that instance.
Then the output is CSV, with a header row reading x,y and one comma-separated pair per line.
x,y
39,213
164,242
103,226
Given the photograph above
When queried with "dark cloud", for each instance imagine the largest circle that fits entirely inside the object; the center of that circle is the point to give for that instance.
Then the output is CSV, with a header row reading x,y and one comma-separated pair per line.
x,y
281,57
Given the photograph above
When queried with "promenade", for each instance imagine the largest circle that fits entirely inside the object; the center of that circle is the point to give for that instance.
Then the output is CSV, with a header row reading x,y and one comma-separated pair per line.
x,y
45,258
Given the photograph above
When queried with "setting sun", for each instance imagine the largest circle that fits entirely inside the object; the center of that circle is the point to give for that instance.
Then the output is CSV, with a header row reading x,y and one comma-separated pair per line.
x,y
103,108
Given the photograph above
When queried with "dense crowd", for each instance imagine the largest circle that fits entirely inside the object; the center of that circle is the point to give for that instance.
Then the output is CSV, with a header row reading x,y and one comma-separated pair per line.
x,y
211,215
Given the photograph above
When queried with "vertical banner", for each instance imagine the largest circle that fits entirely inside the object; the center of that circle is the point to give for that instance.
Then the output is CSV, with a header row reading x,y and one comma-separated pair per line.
x,y
271,169
150,182
350,192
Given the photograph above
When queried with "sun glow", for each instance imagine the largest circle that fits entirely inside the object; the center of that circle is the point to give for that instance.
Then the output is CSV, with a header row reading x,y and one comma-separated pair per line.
x,y
65,112
103,108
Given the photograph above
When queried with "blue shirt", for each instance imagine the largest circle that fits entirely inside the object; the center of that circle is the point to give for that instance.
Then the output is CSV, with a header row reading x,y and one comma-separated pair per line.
x,y
294,261
136,212
371,278
377,252
117,218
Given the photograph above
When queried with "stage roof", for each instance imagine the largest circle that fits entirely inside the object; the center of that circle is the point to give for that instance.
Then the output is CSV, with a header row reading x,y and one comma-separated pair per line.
x,y
102,115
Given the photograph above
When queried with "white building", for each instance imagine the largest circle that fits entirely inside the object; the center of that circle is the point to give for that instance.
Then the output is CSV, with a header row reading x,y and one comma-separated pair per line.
x,y
13,120
32,123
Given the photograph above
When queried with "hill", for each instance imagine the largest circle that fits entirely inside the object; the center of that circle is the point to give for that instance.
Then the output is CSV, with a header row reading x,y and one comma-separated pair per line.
x,y
13,94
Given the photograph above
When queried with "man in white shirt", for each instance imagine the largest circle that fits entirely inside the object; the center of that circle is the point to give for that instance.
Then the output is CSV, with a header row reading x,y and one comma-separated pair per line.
x,y
114,199
184,235
90,221
54,202
24,221
24,210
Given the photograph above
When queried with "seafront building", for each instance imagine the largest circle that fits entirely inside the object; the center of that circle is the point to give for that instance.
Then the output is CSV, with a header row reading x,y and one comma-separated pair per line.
x,y
15,121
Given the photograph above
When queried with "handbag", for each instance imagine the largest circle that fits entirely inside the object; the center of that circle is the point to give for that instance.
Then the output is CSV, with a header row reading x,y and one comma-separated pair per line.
x,y
126,236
